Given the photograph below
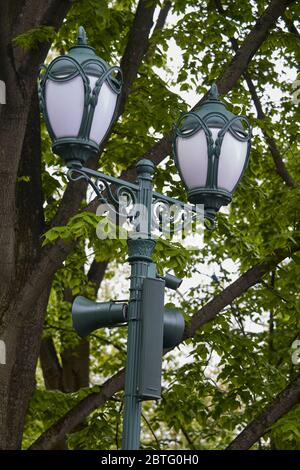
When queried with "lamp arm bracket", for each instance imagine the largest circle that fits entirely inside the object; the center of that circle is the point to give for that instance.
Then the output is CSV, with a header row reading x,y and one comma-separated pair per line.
x,y
115,192
110,190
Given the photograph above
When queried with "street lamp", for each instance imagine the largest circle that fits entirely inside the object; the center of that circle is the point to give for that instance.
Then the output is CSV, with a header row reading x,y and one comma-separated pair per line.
x,y
78,96
211,149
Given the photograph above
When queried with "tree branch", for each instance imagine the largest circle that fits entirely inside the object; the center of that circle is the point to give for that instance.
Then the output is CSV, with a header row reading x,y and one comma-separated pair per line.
x,y
33,14
283,403
53,257
291,26
74,372
77,414
137,46
228,78
52,371
277,158
252,43
162,17
114,384
96,272
235,290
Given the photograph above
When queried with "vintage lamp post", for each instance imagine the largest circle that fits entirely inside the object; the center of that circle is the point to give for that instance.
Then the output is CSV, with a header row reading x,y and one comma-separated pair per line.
x,y
79,96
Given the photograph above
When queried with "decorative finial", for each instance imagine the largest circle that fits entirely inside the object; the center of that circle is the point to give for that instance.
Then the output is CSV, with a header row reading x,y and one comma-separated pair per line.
x,y
82,38
213,92
145,166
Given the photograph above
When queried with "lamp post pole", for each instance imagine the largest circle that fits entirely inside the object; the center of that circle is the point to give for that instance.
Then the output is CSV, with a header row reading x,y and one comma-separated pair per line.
x,y
140,250
149,326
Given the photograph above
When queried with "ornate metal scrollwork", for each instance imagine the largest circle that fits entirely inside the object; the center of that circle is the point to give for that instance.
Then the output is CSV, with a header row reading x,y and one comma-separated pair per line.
x,y
171,216
168,215
114,193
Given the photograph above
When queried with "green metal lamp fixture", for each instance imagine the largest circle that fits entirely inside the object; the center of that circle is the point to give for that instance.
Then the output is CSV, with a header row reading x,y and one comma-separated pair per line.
x,y
79,95
211,148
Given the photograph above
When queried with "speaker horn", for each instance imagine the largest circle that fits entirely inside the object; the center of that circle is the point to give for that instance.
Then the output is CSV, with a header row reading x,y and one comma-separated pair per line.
x,y
88,316
173,328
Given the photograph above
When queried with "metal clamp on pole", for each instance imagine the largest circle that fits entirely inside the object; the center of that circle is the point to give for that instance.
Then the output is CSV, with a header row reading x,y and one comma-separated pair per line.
x,y
172,282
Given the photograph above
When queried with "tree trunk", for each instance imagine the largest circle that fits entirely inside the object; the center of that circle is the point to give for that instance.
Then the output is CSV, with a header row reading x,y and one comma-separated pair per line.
x,y
20,330
21,208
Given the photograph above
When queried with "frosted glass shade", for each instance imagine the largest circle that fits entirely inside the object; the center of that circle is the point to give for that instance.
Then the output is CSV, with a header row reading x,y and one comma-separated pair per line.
x,y
65,104
231,162
104,110
192,159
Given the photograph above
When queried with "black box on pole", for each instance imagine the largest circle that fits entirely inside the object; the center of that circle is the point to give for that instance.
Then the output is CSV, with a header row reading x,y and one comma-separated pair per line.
x,y
152,339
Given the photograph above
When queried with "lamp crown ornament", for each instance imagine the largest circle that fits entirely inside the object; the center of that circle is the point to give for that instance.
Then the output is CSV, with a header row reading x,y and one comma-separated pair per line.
x,y
82,38
213,93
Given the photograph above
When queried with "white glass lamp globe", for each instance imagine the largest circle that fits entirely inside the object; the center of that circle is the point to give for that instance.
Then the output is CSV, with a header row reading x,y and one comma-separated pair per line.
x,y
211,149
79,95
